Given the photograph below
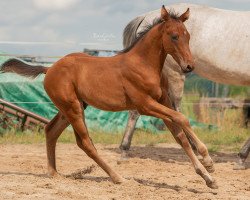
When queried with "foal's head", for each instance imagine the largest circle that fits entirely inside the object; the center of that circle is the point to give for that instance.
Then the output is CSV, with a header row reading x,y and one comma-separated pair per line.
x,y
176,39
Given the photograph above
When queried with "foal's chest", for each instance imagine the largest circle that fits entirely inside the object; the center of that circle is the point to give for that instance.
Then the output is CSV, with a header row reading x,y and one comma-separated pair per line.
x,y
153,88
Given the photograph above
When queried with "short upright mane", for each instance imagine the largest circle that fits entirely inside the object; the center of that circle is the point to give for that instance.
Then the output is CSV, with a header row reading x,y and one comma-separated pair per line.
x,y
147,28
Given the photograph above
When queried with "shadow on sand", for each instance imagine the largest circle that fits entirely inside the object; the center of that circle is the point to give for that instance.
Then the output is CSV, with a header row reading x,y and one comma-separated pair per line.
x,y
24,174
170,155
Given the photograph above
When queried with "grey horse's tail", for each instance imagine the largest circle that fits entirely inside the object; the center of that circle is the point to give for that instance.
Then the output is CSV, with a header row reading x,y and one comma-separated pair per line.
x,y
129,33
17,66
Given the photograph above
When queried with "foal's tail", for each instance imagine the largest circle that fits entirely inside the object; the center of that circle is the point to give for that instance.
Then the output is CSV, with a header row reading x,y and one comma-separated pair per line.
x,y
16,66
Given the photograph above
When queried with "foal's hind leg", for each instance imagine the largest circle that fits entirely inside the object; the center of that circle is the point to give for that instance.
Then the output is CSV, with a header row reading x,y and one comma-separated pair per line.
x,y
153,108
78,138
73,111
53,130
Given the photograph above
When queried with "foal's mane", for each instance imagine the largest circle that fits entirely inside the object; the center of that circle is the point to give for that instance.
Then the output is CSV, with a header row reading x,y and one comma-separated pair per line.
x,y
147,28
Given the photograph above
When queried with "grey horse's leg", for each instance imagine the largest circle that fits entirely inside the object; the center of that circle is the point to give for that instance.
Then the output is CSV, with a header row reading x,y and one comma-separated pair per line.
x,y
243,154
129,131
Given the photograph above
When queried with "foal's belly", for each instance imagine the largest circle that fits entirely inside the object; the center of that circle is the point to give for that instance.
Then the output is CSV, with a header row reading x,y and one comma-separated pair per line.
x,y
103,90
105,100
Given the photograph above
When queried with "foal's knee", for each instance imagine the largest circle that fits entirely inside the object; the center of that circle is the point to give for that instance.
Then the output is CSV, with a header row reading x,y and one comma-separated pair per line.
x,y
181,120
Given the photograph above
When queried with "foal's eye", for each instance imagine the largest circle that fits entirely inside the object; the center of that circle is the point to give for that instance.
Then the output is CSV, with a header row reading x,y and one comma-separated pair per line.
x,y
175,37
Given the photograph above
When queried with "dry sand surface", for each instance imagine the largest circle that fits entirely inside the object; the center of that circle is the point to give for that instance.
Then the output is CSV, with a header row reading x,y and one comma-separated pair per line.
x,y
159,172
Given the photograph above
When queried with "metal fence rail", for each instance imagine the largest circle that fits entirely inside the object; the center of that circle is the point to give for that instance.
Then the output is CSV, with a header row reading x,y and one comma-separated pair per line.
x,y
25,117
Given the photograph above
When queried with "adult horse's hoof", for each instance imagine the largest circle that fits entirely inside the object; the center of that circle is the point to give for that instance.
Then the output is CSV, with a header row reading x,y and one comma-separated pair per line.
x,y
124,158
124,155
212,184
122,161
239,166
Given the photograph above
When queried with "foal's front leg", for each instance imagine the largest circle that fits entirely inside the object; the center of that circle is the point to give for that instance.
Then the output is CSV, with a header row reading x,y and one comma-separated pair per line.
x,y
194,141
153,108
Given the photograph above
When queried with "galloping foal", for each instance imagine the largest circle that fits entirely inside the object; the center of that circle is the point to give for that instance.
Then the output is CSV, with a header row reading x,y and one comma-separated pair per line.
x,y
130,80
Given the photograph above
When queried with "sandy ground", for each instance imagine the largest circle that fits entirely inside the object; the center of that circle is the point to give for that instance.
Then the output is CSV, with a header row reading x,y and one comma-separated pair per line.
x,y
159,172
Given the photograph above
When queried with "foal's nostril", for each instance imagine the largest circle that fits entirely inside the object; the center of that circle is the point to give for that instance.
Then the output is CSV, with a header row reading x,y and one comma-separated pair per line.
x,y
189,68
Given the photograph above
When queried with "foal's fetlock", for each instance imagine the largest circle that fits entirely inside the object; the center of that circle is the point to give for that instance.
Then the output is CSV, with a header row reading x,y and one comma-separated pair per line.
x,y
207,162
210,168
210,182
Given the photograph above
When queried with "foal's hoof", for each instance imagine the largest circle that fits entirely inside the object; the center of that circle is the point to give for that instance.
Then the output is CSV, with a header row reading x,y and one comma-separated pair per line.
x,y
212,184
210,168
117,180
52,174
56,175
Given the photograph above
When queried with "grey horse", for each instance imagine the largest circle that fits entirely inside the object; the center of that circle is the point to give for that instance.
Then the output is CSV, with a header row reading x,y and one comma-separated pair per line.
x,y
220,44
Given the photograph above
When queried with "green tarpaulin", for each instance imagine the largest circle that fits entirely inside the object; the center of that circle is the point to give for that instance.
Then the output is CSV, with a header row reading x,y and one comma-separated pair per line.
x,y
30,94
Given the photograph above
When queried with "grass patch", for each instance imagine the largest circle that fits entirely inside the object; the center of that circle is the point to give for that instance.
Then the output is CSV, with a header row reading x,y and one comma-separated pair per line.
x,y
223,139
18,137
33,137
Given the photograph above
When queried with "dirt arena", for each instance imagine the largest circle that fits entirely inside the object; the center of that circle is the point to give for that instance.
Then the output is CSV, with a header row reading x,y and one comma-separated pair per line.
x,y
159,172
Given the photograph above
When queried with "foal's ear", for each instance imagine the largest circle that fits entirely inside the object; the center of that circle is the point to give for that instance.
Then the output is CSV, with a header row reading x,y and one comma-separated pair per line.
x,y
164,14
185,16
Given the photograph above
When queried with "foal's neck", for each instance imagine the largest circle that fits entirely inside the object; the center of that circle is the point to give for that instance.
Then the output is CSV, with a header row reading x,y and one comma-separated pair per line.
x,y
150,48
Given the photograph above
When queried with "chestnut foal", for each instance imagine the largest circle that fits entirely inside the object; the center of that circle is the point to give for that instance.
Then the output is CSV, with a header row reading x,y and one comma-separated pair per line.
x,y
131,80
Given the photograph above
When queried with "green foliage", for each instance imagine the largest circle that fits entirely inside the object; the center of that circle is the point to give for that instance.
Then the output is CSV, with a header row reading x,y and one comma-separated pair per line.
x,y
239,91
203,87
